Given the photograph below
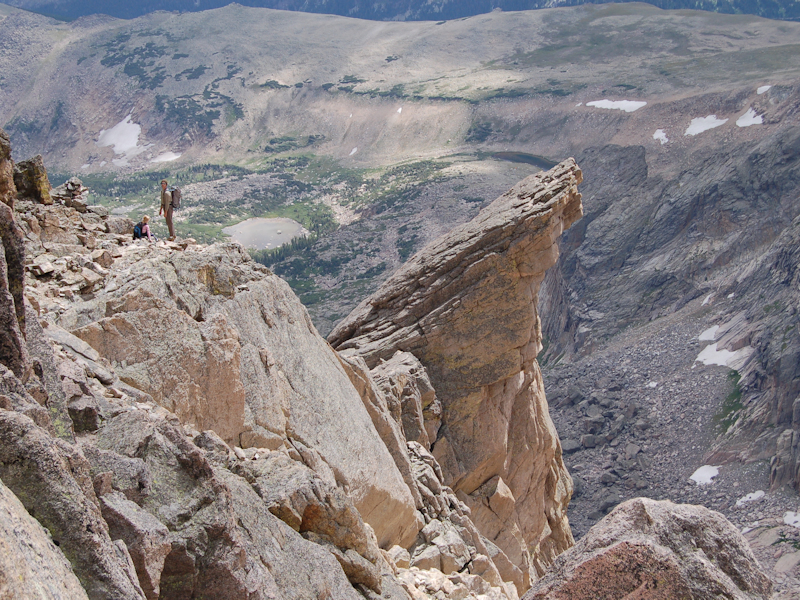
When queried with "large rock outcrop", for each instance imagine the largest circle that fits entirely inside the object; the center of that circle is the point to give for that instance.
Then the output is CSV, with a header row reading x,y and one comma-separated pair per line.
x,y
30,177
215,338
224,346
648,549
13,352
466,307
32,566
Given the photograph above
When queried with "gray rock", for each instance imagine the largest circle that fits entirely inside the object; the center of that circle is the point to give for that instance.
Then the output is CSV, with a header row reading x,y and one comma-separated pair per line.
x,y
589,441
655,550
32,566
52,479
608,477
609,501
631,450
570,446
146,539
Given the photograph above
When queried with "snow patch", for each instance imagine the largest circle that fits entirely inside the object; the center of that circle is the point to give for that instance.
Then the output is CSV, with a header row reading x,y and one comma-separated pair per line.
x,y
399,110
750,498
353,151
123,138
652,384
749,118
707,299
731,295
792,518
724,358
660,136
763,89
709,335
579,104
701,124
626,105
166,157
704,474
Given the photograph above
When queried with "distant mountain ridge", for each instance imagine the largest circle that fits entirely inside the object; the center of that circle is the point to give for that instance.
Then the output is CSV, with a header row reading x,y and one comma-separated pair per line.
x,y
390,10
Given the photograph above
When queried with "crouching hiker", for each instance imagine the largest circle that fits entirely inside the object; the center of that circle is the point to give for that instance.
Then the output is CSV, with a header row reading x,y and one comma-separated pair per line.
x,y
166,208
142,230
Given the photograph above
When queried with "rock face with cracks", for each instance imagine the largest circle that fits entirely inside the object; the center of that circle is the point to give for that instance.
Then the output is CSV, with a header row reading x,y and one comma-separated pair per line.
x,y
466,307
39,569
313,476
652,549
215,338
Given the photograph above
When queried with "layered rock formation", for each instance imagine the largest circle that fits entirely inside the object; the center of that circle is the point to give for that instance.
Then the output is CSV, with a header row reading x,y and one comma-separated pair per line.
x,y
313,475
466,307
177,425
648,549
766,424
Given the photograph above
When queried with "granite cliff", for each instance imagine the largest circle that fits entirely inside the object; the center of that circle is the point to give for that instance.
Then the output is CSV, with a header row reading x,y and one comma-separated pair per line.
x,y
173,426
466,307
175,422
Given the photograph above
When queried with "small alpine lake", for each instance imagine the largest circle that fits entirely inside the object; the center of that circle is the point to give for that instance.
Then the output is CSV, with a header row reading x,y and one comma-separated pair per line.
x,y
260,233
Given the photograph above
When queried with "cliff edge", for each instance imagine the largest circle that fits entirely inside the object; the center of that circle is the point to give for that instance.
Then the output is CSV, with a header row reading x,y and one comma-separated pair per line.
x,y
466,306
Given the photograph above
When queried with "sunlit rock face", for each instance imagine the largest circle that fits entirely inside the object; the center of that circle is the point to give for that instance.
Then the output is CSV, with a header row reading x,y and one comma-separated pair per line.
x,y
466,306
656,549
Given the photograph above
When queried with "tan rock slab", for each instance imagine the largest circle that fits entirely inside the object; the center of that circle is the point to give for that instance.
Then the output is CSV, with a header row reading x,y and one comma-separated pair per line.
x,y
466,307
787,562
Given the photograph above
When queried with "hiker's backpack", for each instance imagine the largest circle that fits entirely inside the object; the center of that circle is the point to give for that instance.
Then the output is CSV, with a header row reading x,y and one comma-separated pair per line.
x,y
176,197
137,230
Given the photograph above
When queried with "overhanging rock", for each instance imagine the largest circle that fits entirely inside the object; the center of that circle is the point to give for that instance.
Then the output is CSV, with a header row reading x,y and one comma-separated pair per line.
x,y
466,306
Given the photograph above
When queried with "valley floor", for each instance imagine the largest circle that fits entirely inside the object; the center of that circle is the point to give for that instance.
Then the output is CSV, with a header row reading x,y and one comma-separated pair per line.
x,y
645,389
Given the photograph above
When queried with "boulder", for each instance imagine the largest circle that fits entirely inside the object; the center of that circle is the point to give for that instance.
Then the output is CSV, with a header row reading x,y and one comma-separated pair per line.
x,y
52,480
119,225
652,549
217,339
465,306
30,178
8,190
32,566
146,538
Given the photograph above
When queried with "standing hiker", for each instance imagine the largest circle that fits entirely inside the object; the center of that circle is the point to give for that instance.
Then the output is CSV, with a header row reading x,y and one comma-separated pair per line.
x,y
166,208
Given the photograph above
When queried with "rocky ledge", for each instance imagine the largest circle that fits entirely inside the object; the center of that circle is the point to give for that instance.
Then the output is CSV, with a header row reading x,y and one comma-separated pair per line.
x,y
466,306
173,426
175,422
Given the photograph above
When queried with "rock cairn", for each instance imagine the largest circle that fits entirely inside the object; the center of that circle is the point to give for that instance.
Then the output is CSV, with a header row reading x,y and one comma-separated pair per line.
x,y
72,193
